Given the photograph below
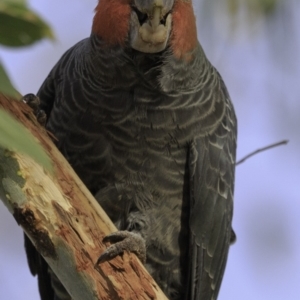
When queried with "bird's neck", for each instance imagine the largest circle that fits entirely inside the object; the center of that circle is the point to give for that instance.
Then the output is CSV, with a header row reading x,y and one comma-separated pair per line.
x,y
163,71
184,76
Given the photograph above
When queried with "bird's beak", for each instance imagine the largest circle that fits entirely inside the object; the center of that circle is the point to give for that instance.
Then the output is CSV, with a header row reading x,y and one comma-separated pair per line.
x,y
153,34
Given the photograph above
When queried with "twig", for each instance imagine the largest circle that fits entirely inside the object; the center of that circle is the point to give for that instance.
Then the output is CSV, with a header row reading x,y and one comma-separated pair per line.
x,y
284,142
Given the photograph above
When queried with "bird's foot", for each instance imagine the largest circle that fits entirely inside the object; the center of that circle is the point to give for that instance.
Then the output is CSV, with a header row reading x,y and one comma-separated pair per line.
x,y
33,101
124,241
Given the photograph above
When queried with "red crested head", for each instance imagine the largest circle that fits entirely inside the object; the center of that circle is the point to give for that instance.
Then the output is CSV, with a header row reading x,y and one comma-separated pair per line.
x,y
149,26
112,21
184,30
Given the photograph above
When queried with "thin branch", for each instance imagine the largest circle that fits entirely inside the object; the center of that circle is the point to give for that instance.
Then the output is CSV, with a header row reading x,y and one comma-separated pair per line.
x,y
284,142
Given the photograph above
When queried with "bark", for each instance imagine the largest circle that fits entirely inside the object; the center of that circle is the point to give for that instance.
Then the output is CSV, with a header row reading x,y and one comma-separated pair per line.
x,y
65,222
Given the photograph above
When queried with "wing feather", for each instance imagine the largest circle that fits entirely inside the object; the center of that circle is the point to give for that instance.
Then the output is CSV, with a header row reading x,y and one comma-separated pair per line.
x,y
212,161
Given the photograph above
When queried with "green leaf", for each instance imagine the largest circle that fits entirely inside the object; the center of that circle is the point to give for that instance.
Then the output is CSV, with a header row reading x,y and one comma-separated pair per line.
x,y
19,26
253,7
233,6
6,86
264,7
14,136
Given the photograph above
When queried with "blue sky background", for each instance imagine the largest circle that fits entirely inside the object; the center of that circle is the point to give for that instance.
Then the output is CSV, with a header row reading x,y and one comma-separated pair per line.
x,y
261,68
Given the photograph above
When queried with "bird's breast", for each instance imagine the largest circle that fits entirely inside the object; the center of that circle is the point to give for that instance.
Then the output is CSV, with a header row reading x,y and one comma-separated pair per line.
x,y
130,143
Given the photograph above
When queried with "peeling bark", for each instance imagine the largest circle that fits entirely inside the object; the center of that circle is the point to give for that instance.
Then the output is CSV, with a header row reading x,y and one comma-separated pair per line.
x,y
65,222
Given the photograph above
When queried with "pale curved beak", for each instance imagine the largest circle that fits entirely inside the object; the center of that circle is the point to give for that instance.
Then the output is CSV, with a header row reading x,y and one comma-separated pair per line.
x,y
151,36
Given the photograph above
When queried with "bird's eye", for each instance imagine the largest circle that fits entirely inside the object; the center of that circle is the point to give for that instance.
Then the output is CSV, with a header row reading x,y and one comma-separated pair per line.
x,y
164,19
141,16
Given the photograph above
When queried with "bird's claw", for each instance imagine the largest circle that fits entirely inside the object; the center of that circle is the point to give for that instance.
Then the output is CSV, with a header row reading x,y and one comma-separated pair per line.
x,y
41,117
33,102
123,241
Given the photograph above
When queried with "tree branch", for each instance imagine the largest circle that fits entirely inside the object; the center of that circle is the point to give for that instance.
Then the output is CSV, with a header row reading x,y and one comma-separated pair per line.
x,y
65,222
284,142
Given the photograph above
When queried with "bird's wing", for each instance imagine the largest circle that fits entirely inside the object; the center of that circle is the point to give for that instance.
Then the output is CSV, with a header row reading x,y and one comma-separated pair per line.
x,y
47,93
39,267
36,262
212,161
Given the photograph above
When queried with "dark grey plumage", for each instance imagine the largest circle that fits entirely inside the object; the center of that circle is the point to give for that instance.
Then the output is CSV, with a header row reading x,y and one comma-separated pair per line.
x,y
154,138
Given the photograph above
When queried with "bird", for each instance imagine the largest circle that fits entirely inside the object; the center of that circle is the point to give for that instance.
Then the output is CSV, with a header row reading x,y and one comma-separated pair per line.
x,y
147,123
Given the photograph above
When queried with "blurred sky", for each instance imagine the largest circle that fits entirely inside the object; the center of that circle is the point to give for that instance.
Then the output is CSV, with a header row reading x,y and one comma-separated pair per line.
x,y
261,68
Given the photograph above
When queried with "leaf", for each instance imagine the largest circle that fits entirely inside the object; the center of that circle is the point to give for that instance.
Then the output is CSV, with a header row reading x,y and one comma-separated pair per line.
x,y
264,7
14,136
253,7
6,86
233,6
19,26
